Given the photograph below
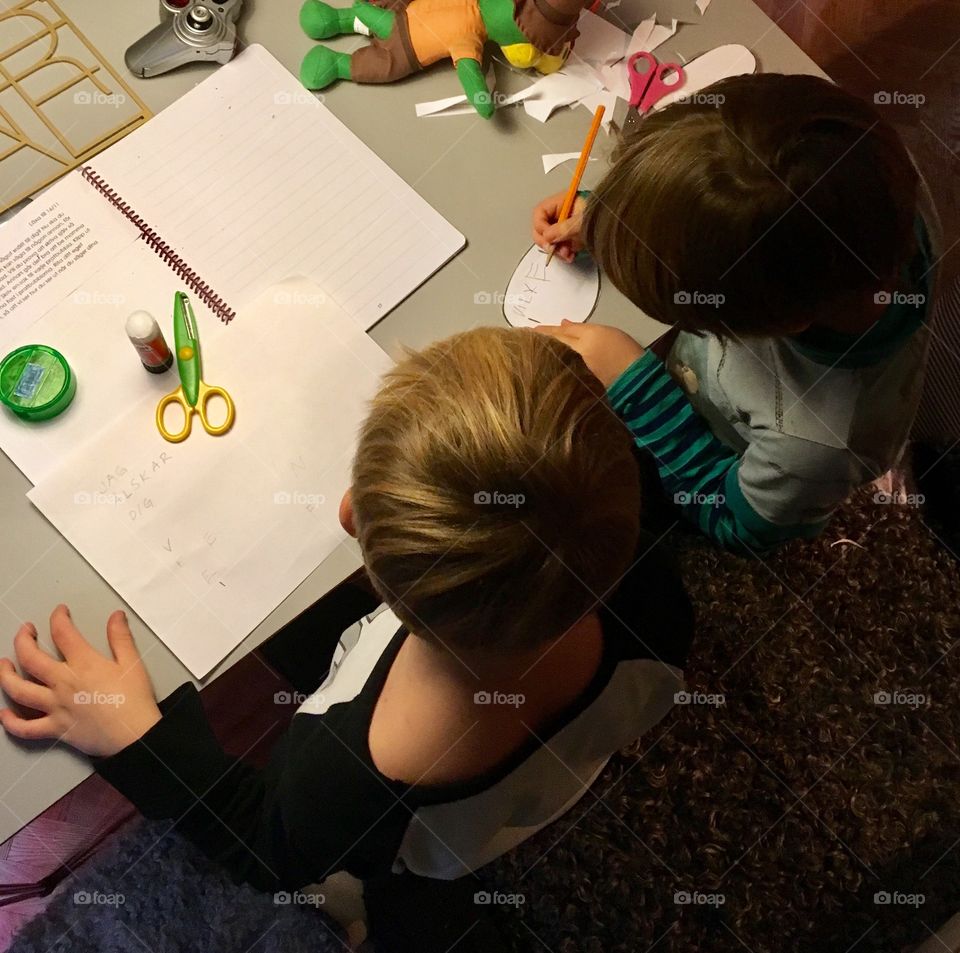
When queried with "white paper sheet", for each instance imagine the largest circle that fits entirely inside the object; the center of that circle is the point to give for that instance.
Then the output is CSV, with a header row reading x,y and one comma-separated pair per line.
x,y
204,538
569,85
439,107
640,37
454,105
51,247
552,160
617,80
605,98
659,34
518,97
538,295
599,42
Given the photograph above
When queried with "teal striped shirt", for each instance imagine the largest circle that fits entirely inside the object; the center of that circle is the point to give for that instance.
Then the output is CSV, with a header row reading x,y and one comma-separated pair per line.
x,y
697,470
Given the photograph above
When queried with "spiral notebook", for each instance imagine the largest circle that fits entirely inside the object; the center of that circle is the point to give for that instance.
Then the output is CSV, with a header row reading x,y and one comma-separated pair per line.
x,y
248,178
245,180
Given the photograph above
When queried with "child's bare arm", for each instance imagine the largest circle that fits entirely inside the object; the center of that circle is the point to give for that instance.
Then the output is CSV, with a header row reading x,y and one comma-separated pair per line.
x,y
606,351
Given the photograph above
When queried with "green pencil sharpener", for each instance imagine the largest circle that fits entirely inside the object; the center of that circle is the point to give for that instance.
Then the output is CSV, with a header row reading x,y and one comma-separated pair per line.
x,y
36,382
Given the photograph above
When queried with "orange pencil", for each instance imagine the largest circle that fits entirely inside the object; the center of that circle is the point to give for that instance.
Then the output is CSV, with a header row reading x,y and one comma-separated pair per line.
x,y
571,195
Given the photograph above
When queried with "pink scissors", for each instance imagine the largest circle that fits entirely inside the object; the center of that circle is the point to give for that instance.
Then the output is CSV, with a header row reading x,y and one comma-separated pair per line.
x,y
650,80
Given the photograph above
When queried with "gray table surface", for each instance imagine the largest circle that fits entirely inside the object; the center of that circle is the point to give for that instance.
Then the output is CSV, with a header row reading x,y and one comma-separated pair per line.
x,y
482,176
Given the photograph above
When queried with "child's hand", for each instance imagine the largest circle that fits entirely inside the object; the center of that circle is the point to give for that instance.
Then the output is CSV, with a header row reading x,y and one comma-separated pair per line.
x,y
97,704
606,351
565,235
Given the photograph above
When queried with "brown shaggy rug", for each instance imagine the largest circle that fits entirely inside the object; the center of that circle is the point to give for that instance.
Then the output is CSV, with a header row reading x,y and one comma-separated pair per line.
x,y
809,799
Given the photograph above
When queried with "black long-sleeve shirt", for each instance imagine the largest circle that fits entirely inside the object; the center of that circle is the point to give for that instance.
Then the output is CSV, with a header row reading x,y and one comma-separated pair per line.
x,y
321,805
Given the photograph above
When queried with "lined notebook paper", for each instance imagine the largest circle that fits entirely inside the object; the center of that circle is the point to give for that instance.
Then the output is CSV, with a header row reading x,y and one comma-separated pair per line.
x,y
248,179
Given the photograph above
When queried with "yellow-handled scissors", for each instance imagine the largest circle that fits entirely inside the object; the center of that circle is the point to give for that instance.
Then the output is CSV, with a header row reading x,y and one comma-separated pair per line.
x,y
192,394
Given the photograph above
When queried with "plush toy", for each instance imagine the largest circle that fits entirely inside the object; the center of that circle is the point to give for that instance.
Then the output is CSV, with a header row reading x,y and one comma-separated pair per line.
x,y
408,35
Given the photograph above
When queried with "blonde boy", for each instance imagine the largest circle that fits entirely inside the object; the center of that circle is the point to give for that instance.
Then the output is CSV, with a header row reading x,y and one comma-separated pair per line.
x,y
496,501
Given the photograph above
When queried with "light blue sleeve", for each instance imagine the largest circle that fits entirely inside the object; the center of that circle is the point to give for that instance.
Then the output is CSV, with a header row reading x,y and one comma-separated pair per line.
x,y
729,497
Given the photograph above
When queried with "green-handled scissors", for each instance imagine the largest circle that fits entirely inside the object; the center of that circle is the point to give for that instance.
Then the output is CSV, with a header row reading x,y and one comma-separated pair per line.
x,y
192,394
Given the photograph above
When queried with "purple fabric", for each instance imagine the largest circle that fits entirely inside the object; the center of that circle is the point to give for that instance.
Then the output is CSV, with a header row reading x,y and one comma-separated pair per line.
x,y
152,890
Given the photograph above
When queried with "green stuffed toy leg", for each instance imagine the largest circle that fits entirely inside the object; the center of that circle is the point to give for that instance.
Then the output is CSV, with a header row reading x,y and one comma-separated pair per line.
x,y
323,66
474,84
320,21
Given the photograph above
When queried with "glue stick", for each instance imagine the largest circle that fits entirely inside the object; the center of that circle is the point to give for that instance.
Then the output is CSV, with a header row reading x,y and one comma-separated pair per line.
x,y
145,335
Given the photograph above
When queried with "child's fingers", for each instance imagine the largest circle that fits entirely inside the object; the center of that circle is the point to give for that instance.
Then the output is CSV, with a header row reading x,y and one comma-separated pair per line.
x,y
34,660
558,331
540,226
121,640
29,728
542,218
25,693
66,636
546,214
562,231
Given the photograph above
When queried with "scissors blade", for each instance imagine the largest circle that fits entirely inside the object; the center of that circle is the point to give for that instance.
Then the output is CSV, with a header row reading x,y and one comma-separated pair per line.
x,y
188,347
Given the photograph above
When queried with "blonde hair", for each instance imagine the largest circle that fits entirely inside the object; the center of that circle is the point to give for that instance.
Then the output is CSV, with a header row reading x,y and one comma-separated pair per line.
x,y
755,206
495,494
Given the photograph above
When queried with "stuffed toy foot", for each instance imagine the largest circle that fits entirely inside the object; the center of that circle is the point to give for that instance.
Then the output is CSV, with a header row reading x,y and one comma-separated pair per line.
x,y
320,21
323,66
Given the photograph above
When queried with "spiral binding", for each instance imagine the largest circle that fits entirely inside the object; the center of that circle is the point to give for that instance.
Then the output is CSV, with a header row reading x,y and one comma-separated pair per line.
x,y
183,271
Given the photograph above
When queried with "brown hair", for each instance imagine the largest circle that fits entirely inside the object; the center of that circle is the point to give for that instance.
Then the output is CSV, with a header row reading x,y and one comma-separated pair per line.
x,y
755,205
495,494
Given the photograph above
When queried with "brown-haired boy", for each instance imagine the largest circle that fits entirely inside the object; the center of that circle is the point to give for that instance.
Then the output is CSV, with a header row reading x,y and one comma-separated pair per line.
x,y
496,501
779,233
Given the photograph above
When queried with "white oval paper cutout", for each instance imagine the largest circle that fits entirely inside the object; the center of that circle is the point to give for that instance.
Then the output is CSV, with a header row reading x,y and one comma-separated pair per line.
x,y
539,295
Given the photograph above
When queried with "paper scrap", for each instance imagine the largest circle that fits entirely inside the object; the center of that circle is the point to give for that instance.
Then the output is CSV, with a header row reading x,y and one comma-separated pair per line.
x,y
439,106
519,97
702,5
617,80
567,86
455,105
553,159
605,98
640,36
659,34
205,538
539,295
599,42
